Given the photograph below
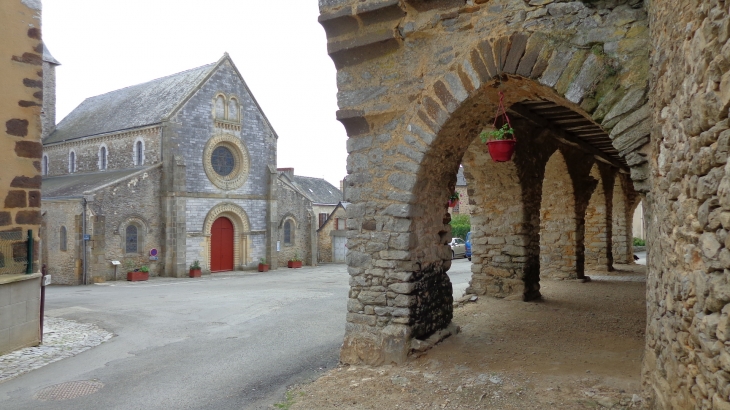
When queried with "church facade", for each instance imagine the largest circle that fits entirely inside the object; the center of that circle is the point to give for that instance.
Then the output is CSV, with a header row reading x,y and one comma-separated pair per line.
x,y
165,173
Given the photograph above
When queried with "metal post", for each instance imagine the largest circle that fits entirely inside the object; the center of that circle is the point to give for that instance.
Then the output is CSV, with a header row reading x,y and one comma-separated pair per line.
x,y
44,272
29,265
83,243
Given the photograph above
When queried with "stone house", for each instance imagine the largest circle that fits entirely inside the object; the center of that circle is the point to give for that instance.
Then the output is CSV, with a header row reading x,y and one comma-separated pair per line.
x,y
332,235
178,169
461,188
21,80
302,203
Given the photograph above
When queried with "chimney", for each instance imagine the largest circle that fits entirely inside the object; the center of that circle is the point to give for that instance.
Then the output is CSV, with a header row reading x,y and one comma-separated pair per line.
x,y
288,171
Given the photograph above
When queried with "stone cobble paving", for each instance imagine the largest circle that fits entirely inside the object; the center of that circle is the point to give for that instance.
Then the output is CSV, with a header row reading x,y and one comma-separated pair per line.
x,y
62,338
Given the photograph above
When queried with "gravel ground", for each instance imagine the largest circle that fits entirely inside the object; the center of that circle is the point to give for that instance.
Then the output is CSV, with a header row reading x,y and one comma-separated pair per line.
x,y
61,339
579,347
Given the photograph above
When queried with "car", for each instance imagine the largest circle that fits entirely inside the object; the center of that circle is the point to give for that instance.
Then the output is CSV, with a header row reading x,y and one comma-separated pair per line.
x,y
467,246
458,248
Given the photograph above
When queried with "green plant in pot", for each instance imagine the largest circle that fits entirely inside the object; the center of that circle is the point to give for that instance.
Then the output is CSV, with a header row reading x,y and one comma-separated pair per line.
x,y
263,266
137,274
295,262
500,142
195,271
453,200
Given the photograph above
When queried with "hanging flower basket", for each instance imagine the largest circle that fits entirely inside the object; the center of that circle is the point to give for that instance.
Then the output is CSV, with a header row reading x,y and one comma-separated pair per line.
x,y
500,141
501,151
453,200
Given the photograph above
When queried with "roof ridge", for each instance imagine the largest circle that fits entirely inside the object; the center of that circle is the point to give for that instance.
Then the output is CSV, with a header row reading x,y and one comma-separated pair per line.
x,y
151,81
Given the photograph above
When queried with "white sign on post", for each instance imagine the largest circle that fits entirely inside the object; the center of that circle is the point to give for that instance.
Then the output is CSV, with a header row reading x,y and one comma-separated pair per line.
x,y
116,263
278,246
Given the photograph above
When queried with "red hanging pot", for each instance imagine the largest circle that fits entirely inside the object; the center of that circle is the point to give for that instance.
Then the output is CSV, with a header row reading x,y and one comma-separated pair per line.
x,y
502,150
453,202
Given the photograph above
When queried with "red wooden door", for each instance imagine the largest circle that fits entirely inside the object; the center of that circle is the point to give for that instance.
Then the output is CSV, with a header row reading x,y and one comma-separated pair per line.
x,y
221,245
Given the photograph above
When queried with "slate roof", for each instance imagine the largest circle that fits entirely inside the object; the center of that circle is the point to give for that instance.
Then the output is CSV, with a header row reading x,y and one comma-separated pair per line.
x,y
460,180
79,184
318,190
48,58
130,107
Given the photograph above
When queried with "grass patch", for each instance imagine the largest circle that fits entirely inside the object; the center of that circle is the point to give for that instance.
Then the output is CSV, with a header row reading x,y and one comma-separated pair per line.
x,y
288,400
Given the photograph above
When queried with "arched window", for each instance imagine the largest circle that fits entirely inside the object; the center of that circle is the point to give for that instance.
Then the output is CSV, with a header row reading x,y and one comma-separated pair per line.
x,y
233,109
220,107
131,239
44,165
102,158
139,152
288,233
62,241
72,162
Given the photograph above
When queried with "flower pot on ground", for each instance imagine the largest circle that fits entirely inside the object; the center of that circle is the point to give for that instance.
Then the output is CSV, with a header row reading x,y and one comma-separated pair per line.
x,y
195,270
140,274
294,264
263,267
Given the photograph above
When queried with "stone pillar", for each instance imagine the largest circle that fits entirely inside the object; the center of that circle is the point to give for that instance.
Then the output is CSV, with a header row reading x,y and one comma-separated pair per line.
x,y
622,244
598,224
273,224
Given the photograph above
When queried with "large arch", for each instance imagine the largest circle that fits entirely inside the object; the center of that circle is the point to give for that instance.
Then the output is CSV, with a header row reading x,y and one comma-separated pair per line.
x,y
241,230
405,147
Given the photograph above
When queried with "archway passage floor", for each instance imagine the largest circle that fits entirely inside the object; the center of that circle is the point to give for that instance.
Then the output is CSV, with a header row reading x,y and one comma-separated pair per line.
x,y
579,347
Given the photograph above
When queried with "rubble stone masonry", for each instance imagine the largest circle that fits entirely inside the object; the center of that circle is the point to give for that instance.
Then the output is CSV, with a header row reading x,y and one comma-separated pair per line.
x,y
21,74
687,358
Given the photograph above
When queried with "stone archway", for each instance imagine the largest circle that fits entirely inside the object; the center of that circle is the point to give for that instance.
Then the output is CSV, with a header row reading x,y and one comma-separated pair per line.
x,y
558,223
622,219
241,230
410,130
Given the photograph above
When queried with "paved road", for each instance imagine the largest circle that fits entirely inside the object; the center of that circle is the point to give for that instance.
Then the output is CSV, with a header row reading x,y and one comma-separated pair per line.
x,y
230,341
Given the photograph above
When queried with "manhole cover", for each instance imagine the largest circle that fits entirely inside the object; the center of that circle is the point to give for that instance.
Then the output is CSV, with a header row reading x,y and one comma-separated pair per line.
x,y
70,390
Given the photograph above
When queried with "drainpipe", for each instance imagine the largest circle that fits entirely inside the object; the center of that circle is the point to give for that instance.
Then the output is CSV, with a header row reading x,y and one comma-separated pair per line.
x,y
83,239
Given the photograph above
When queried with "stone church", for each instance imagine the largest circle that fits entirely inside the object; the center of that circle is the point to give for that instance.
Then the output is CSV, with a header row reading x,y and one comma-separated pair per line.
x,y
165,173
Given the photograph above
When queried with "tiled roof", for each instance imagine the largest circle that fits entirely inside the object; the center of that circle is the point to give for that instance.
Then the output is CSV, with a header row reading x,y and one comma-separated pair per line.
x,y
130,107
318,190
78,184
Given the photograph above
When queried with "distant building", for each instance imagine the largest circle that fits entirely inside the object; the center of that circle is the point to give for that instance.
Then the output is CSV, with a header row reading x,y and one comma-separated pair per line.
x,y
164,173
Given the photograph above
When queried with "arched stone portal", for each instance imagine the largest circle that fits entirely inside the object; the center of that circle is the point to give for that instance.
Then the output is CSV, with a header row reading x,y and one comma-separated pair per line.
x,y
413,106
241,229
624,198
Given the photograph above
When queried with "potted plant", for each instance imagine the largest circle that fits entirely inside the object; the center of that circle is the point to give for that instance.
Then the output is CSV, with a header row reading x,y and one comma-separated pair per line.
x,y
454,200
295,262
140,274
500,142
263,267
195,269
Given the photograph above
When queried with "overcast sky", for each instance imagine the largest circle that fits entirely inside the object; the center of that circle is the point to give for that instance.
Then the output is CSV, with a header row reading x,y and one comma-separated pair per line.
x,y
279,48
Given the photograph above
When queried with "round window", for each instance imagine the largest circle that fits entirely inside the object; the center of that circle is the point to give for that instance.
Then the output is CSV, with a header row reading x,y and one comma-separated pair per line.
x,y
222,161
226,161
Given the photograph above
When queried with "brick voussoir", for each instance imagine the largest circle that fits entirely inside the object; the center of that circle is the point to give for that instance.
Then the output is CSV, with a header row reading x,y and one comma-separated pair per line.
x,y
517,50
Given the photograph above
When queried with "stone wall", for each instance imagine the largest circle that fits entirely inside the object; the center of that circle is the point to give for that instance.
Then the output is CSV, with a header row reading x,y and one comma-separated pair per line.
x,y
687,359
21,81
326,234
120,151
65,267
293,207
111,209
